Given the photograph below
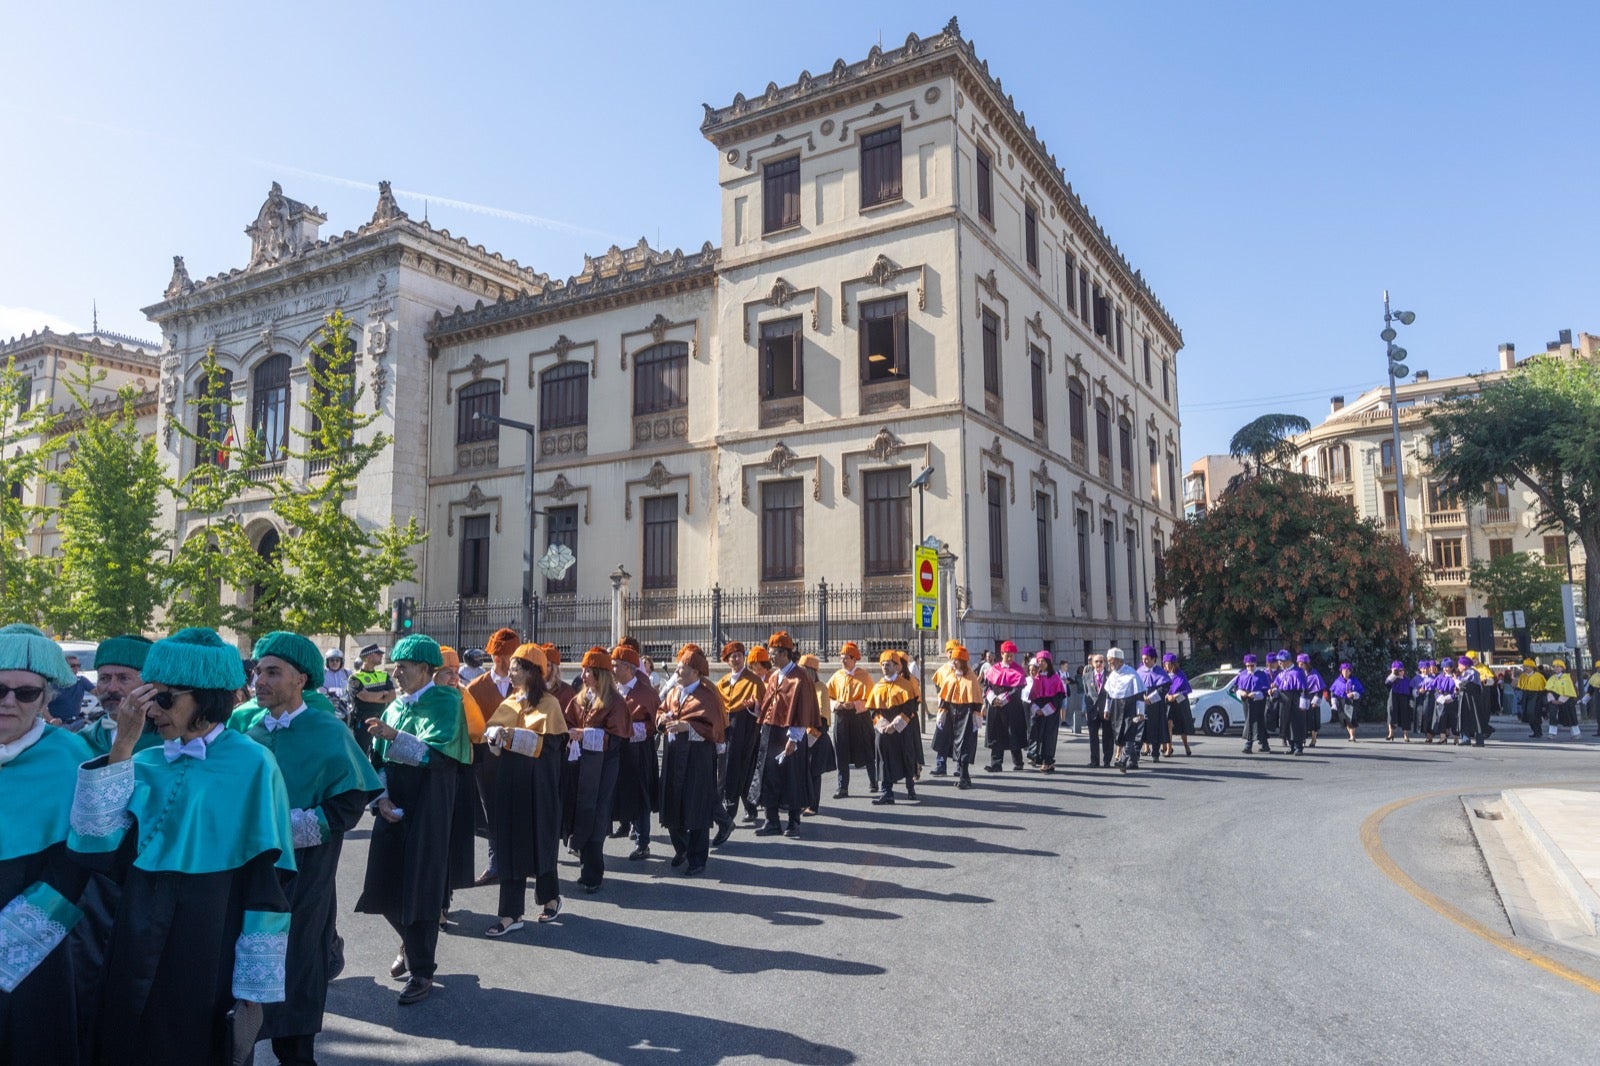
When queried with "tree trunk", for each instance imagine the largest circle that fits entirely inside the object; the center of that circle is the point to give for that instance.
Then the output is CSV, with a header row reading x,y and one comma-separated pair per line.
x,y
1589,537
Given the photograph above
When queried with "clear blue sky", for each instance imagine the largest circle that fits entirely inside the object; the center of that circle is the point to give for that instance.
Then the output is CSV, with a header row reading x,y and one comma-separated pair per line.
x,y
1271,167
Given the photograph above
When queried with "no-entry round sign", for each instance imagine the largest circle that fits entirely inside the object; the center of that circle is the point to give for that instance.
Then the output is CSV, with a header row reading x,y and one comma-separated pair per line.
x,y
927,577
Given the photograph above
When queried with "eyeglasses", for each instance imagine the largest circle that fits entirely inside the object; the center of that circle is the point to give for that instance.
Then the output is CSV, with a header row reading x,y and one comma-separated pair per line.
x,y
166,699
24,693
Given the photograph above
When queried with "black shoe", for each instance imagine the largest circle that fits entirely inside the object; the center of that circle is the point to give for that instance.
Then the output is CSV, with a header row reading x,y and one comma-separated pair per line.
x,y
769,829
620,832
993,768
936,772
488,877
400,967
964,782
793,831
416,989
640,852
591,889
695,870
841,794
1096,765
884,800
678,860
724,831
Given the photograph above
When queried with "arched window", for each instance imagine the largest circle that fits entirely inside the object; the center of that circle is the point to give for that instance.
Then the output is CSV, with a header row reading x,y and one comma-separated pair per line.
x,y
478,398
661,378
268,550
269,407
333,385
213,420
564,396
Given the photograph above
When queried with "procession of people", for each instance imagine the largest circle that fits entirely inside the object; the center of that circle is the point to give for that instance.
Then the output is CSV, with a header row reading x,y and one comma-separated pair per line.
x,y
168,873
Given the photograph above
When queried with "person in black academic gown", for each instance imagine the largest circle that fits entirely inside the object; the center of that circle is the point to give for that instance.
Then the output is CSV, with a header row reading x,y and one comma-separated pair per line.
x,y
694,723
202,925
330,782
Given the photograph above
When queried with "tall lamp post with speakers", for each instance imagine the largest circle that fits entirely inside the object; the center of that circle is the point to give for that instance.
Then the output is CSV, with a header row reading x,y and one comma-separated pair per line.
x,y
527,510
1397,371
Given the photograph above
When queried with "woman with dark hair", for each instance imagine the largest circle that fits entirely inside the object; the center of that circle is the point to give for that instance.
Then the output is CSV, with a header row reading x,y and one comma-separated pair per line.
x,y
604,725
1400,713
198,833
960,707
527,738
39,884
1005,720
1346,692
694,722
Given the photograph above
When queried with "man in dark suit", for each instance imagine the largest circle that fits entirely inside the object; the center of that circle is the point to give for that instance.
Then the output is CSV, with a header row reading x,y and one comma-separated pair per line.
x,y
1102,733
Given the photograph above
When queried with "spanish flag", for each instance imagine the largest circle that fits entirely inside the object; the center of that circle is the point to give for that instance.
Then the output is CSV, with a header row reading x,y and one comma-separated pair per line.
x,y
225,448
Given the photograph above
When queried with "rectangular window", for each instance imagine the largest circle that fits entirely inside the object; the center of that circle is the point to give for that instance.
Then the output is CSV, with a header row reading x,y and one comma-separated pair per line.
x,y
1133,574
780,194
661,378
1386,454
661,542
1036,374
782,530
561,527
991,352
477,405
1075,413
996,487
1499,547
474,577
886,521
1166,382
1149,379
1102,323
1498,497
780,360
1102,435
564,396
1555,549
885,340
1030,234
1447,553
1454,606
1108,533
1391,507
1072,282
1153,467
1172,480
1441,500
1083,296
1041,523
1120,353
880,166
1125,445
985,187
1083,560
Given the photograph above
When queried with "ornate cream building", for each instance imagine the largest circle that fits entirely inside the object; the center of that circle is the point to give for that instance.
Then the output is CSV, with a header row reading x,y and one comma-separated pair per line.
x,y
905,280
390,276
1353,451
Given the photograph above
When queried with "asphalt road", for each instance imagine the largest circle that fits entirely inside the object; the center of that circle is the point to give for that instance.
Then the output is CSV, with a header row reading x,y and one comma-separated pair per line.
x,y
1216,909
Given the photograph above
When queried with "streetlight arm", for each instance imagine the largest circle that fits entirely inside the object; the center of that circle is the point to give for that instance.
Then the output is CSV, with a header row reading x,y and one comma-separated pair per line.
x,y
526,427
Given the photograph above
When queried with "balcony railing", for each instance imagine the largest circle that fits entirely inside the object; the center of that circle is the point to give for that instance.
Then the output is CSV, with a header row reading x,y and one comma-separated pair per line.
x,y
1078,450
1446,518
1456,624
267,471
1450,575
1497,516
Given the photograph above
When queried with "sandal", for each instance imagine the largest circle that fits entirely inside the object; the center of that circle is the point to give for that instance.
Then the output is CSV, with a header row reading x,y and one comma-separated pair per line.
x,y
502,927
550,911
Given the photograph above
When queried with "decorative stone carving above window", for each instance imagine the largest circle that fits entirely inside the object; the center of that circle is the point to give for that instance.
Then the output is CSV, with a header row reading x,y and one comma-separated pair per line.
x,y
474,500
884,271
659,330
993,459
987,283
1041,478
563,347
475,369
782,295
657,479
1036,327
777,464
778,141
561,490
886,449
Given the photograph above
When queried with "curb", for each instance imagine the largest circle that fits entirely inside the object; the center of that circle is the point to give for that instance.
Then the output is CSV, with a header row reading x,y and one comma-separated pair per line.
x,y
1566,875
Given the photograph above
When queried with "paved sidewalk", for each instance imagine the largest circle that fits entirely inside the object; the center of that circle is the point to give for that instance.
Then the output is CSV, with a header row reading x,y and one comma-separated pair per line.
x,y
1562,827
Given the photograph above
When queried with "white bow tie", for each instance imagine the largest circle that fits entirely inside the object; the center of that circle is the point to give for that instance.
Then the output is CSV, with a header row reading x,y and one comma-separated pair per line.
x,y
273,723
177,749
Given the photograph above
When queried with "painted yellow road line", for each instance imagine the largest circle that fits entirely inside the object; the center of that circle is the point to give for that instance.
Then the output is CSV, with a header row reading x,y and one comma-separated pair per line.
x,y
1372,843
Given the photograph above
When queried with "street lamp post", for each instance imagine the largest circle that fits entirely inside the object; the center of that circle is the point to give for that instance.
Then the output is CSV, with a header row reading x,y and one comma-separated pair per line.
x,y
527,509
1397,370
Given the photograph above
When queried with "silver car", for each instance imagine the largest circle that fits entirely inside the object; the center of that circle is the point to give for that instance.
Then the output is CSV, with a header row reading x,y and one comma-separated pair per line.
x,y
1217,710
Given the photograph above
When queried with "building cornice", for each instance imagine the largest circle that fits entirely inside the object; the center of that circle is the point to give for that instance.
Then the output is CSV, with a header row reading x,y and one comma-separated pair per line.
x,y
918,60
620,278
122,355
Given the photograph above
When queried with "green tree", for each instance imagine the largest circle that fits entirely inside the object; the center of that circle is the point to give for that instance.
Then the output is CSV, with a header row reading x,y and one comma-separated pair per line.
x,y
1265,445
1277,554
111,576
25,579
1521,581
336,573
218,555
1535,427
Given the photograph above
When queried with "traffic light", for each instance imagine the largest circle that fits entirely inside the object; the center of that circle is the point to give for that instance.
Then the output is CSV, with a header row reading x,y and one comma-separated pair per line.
x,y
402,616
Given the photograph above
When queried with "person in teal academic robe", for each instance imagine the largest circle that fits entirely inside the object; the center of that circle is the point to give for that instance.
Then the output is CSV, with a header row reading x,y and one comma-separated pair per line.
x,y
39,884
421,744
197,833
329,782
117,666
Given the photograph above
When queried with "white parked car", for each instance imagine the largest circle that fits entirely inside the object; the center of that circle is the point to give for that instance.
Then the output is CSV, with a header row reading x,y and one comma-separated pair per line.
x,y
1217,710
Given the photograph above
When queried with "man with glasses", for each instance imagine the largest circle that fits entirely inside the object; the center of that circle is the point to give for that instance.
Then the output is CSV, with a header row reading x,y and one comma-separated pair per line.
x,y
1102,734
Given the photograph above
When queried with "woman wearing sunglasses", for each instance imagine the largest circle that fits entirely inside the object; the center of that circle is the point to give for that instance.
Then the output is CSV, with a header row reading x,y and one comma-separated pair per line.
x,y
39,884
198,833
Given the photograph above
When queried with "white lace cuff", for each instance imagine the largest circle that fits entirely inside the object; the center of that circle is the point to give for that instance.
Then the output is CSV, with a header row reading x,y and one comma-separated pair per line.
x,y
526,742
100,804
258,957
594,740
641,732
407,750
308,828
31,926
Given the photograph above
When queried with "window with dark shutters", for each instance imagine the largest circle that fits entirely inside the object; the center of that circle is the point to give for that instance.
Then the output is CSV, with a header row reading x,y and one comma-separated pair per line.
x,y
780,194
269,410
564,396
474,579
886,521
1030,234
782,531
661,542
661,378
781,359
885,339
880,166
561,527
985,187
996,486
991,352
479,398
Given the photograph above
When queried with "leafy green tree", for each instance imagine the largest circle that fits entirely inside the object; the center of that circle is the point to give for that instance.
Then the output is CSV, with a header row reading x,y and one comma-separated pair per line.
x,y
1266,444
1522,581
218,555
112,571
1277,554
336,573
1537,427
25,579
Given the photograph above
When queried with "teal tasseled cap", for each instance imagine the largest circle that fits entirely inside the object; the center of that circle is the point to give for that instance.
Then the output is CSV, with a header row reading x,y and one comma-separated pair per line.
x,y
296,650
22,647
129,651
195,658
417,649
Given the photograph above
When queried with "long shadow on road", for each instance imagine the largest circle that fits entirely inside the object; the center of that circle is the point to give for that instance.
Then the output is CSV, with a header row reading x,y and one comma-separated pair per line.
x,y
753,875
547,1026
